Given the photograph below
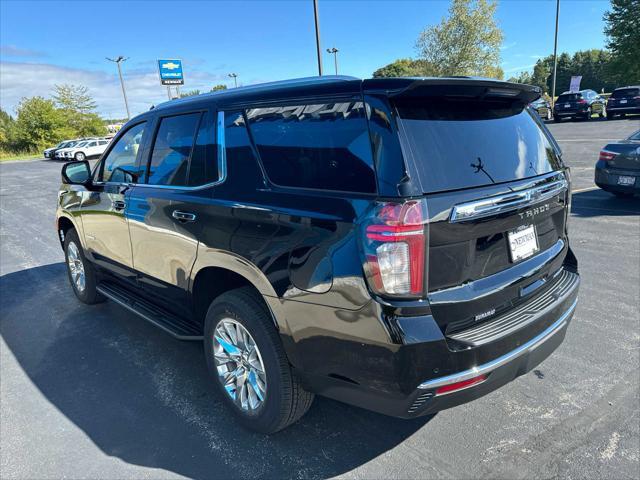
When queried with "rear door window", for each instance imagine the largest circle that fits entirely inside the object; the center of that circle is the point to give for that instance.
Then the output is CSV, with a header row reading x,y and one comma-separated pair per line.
x,y
464,144
320,146
172,150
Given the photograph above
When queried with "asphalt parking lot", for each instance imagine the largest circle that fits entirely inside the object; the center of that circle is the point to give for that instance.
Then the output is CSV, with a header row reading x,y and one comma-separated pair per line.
x,y
94,392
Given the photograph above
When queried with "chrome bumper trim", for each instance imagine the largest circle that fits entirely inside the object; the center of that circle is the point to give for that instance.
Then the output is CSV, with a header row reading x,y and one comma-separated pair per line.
x,y
531,345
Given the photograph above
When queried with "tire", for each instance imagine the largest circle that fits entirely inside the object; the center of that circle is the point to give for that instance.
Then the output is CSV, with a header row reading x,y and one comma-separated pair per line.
x,y
283,400
74,257
80,156
611,116
557,119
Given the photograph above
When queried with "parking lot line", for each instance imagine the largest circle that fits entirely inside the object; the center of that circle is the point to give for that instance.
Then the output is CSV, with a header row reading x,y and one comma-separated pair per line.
x,y
586,189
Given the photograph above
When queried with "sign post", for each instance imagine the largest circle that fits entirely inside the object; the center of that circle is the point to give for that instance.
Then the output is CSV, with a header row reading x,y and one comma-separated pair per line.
x,y
171,73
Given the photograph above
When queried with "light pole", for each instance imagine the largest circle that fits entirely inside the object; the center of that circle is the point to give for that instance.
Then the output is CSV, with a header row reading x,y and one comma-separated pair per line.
x,y
335,51
118,61
317,21
235,79
555,57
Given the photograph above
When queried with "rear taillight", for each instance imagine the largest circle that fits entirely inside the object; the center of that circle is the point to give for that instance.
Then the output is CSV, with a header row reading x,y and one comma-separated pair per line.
x,y
394,247
582,101
454,387
607,156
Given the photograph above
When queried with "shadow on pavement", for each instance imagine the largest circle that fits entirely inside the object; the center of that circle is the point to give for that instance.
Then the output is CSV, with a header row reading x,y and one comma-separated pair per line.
x,y
597,203
145,398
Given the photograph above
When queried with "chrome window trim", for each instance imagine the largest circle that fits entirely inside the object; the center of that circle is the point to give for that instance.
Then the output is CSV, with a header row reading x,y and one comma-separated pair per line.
x,y
486,207
222,164
489,367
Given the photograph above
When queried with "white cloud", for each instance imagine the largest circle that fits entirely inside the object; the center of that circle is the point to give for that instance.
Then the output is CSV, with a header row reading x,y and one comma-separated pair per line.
x,y
21,79
13,51
519,69
507,46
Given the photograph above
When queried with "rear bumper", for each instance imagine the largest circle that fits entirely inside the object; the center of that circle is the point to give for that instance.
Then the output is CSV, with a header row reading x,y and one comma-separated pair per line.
x,y
607,179
630,109
407,378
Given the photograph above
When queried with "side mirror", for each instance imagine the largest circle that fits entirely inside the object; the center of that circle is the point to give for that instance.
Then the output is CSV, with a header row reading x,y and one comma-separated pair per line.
x,y
76,173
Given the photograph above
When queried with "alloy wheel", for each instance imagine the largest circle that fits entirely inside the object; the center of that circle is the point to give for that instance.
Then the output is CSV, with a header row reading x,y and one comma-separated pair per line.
x,y
239,364
76,267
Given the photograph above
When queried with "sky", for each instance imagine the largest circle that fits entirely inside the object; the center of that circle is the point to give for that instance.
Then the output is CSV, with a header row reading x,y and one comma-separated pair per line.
x,y
49,42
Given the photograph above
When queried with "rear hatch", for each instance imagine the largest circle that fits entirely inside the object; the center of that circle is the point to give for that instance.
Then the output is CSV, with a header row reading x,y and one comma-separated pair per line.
x,y
569,103
625,98
496,194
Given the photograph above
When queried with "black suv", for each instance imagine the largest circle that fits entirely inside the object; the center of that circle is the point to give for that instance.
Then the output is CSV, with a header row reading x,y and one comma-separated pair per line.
x,y
623,101
398,244
582,104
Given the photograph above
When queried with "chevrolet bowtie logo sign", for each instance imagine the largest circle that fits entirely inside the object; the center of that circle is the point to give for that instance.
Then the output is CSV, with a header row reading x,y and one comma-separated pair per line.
x,y
170,71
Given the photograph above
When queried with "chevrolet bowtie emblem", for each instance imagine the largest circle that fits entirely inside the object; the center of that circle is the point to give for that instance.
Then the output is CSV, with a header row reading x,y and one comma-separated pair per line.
x,y
170,65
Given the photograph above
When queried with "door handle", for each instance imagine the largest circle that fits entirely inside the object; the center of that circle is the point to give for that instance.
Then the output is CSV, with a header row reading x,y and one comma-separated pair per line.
x,y
118,204
183,216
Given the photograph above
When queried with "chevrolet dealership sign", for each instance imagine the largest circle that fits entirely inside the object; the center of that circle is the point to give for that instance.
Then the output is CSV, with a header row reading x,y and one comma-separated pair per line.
x,y
171,72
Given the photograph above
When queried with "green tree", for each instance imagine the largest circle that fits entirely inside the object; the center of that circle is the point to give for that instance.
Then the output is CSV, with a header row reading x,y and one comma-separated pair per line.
x,y
6,129
622,28
189,93
78,108
467,42
38,124
218,87
542,73
405,67
522,77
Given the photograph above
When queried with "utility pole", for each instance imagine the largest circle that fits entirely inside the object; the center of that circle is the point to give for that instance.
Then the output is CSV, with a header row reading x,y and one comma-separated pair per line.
x,y
235,79
118,61
335,51
315,14
555,57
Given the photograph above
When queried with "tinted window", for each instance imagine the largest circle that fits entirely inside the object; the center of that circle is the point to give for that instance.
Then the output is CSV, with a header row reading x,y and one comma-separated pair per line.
x,y
204,165
103,142
172,149
321,146
625,93
122,157
569,97
469,144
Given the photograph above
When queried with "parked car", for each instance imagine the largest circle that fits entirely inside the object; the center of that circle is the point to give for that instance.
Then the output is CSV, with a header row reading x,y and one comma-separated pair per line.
x,y
88,149
51,152
542,108
582,104
623,101
334,236
618,167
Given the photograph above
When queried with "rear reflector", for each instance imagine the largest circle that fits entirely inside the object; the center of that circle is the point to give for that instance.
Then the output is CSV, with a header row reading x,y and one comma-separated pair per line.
x,y
454,387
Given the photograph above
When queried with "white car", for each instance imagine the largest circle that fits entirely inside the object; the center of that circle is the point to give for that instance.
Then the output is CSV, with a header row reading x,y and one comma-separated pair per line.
x,y
86,149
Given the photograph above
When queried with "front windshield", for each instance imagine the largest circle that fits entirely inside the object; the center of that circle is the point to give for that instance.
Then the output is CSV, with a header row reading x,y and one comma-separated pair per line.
x,y
81,144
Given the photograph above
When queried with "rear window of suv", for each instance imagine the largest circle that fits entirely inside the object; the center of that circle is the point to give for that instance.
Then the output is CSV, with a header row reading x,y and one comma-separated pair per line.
x,y
569,97
625,93
464,144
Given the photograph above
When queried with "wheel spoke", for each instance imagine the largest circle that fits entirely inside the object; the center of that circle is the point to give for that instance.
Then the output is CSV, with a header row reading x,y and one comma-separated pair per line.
x,y
239,364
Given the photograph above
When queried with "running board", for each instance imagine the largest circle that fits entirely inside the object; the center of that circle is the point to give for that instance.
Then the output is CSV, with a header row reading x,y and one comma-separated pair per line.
x,y
172,324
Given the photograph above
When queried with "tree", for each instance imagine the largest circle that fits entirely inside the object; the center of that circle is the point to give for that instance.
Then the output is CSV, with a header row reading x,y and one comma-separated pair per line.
x,y
189,93
405,67
622,28
78,108
218,87
541,76
522,77
6,129
75,98
467,42
39,124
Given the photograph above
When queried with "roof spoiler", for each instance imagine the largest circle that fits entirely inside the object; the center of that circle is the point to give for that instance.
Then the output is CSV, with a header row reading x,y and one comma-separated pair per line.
x,y
455,88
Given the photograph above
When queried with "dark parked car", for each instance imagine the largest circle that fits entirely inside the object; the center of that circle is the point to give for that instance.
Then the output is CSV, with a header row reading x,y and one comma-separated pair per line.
x,y
624,100
618,167
51,152
334,236
542,108
582,104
